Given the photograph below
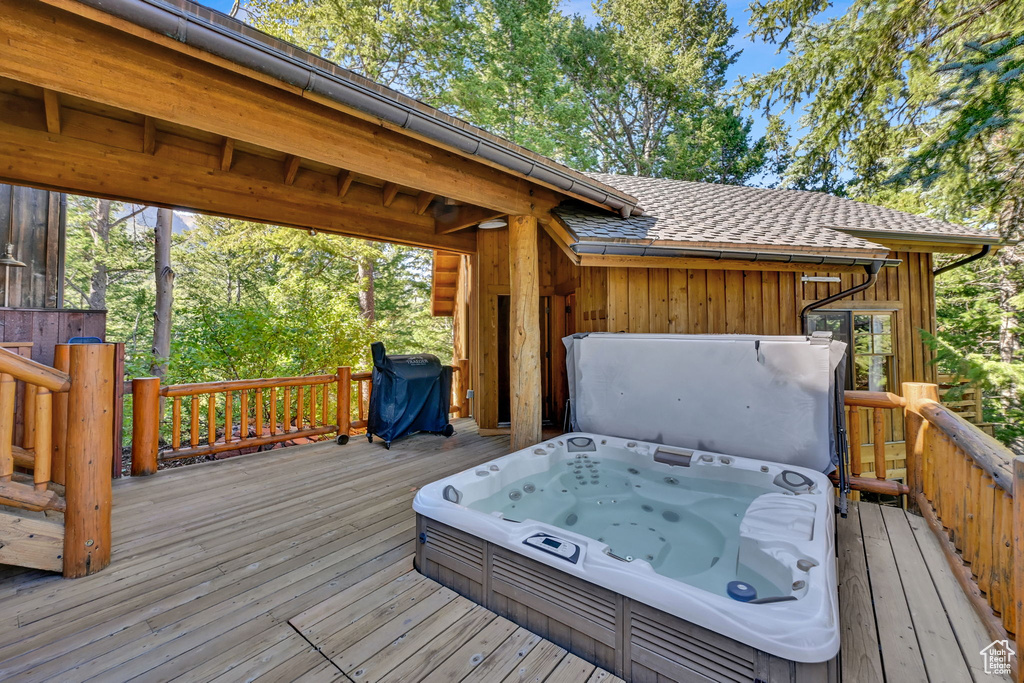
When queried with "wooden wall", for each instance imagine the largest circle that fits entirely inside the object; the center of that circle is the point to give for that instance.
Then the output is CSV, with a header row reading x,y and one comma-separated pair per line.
x,y
47,327
909,291
558,277
757,302
690,301
34,221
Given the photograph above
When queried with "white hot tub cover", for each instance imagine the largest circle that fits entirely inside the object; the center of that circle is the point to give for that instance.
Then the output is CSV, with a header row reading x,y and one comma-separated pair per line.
x,y
755,396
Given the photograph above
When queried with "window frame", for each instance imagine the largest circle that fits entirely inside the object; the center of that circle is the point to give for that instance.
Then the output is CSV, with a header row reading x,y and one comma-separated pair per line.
x,y
851,367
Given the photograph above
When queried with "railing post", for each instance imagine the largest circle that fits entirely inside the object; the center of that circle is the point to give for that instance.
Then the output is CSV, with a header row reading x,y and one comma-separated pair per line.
x,y
344,416
118,444
145,425
88,452
42,438
62,362
915,428
7,391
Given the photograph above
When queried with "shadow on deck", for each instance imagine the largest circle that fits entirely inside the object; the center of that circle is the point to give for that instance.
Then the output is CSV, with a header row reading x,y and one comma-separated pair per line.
x,y
296,565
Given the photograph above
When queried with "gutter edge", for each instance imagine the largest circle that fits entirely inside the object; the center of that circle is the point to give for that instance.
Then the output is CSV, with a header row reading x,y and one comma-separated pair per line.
x,y
221,41
618,249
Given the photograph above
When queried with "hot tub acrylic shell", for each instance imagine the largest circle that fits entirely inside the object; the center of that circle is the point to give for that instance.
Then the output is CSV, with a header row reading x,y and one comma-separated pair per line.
x,y
801,630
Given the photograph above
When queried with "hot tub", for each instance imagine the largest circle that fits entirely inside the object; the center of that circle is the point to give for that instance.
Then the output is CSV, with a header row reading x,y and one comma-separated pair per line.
x,y
646,559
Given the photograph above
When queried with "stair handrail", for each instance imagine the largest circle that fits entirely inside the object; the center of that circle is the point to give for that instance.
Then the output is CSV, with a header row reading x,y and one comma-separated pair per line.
x,y
31,372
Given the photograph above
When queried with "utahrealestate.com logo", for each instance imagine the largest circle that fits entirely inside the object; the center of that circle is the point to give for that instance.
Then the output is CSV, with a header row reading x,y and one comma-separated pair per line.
x,y
997,656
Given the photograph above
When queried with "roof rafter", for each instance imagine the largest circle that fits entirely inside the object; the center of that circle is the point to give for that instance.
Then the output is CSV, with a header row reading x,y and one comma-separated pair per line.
x,y
238,106
105,157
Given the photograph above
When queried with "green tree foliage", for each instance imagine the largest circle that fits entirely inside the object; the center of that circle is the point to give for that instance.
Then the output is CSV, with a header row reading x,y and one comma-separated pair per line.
x,y
258,301
641,92
714,146
920,106
652,76
513,85
886,79
415,46
113,255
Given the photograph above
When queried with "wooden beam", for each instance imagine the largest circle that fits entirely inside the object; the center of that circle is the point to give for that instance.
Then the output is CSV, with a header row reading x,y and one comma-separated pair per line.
x,y
561,237
51,104
388,193
73,165
524,333
227,152
83,53
24,496
458,218
291,168
423,201
149,135
344,182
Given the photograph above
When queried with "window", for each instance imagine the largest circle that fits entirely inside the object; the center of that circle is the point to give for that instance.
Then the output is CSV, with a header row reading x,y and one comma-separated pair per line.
x,y
870,355
872,351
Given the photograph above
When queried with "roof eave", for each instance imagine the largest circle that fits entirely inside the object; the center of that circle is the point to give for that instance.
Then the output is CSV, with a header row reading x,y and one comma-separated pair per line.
x,y
220,40
936,238
811,259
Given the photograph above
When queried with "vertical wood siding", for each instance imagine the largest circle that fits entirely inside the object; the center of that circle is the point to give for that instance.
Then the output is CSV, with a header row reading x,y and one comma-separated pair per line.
x,y
688,301
693,301
557,275
36,228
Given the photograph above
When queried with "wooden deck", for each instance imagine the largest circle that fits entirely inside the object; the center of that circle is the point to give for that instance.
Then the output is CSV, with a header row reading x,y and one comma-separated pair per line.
x,y
296,565
904,616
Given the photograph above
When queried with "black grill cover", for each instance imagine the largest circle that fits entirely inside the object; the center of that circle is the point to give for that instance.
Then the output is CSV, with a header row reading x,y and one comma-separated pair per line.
x,y
410,394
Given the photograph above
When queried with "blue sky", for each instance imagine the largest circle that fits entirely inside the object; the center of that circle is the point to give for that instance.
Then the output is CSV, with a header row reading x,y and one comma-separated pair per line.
x,y
756,56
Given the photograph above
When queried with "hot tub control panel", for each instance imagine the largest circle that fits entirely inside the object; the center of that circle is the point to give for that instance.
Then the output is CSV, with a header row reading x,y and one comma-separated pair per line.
x,y
554,546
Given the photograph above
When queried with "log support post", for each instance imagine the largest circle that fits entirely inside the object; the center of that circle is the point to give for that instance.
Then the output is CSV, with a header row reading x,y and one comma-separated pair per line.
x,y
916,432
88,454
145,425
524,332
344,416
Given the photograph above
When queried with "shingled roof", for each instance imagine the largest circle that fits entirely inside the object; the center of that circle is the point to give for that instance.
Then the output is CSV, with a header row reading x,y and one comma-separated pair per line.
x,y
708,215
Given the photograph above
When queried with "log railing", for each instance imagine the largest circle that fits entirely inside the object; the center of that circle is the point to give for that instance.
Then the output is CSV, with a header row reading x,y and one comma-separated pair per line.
x,y
967,486
361,382
877,402
361,385
203,416
970,489
36,450
67,413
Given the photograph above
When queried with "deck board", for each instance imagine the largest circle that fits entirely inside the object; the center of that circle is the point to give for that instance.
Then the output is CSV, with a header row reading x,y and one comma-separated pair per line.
x,y
291,566
903,615
860,657
901,654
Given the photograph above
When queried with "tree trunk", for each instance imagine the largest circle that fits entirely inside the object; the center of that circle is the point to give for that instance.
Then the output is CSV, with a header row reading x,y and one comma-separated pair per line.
x,y
367,302
99,228
1009,289
1011,261
164,294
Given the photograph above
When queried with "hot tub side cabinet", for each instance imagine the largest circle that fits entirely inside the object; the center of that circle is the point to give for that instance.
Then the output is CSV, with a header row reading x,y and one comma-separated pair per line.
x,y
635,641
